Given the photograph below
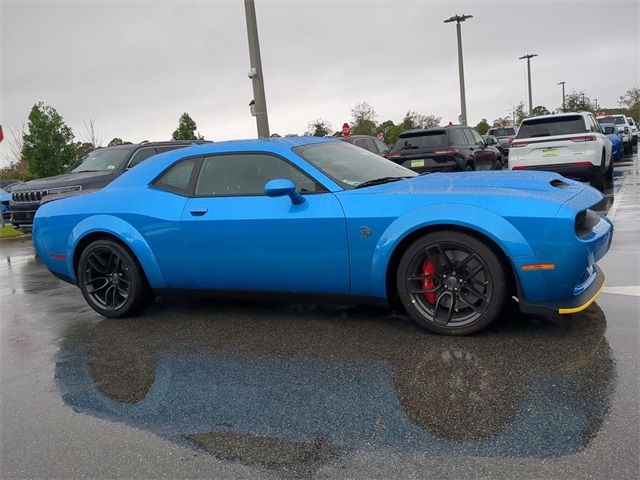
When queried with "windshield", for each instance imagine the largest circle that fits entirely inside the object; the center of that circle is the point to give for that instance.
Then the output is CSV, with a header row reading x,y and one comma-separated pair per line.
x,y
421,141
502,132
102,159
552,126
348,165
616,120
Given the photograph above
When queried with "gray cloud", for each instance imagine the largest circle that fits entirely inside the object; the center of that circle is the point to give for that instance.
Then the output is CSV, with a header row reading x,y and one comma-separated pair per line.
x,y
135,66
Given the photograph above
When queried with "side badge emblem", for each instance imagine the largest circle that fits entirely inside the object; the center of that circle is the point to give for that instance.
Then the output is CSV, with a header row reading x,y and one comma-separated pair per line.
x,y
365,231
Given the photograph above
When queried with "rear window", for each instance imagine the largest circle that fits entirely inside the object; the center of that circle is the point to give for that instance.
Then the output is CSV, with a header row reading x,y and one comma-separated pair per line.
x,y
616,120
549,127
502,132
421,140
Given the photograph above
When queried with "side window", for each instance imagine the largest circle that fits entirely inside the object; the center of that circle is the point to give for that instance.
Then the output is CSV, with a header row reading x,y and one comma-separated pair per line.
x,y
477,139
169,148
359,142
141,155
247,174
460,138
382,148
370,145
178,178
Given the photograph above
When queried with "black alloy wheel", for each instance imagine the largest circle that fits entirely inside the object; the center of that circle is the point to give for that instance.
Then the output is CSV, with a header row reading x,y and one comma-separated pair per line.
x,y
111,280
451,283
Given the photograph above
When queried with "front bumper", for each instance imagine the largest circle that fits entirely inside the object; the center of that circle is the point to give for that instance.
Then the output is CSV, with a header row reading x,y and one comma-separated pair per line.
x,y
22,214
564,307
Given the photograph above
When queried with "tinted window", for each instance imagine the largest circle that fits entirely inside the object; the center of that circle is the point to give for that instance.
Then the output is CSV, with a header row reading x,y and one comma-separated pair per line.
x,y
103,159
550,126
475,136
615,120
141,155
610,129
348,165
177,179
370,145
460,138
247,174
169,147
421,140
502,131
359,142
382,148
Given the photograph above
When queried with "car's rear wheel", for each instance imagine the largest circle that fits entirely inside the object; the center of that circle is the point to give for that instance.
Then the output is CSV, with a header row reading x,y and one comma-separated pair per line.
x,y
499,164
111,280
469,167
610,168
451,283
597,179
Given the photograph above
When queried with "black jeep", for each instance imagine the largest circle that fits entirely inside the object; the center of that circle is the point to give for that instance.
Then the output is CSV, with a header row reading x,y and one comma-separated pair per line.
x,y
99,168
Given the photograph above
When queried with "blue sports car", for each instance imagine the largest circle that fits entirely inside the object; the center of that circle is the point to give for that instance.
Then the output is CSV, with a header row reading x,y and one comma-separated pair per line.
x,y
5,197
319,216
611,131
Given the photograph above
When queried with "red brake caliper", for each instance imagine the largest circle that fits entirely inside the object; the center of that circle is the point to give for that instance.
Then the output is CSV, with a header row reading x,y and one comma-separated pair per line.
x,y
428,284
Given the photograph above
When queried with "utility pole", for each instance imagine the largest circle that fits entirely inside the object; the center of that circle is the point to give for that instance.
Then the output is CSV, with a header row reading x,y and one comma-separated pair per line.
x,y
529,56
463,101
596,101
563,96
259,105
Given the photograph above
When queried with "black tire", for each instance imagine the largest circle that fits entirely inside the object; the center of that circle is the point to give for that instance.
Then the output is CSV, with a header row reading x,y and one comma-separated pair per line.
x,y
627,148
609,169
469,167
499,165
111,281
469,298
597,180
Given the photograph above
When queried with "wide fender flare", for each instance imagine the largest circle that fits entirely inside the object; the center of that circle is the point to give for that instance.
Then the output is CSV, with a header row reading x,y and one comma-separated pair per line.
x,y
478,219
127,234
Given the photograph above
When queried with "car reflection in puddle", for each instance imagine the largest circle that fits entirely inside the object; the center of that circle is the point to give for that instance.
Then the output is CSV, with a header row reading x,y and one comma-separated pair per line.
x,y
245,384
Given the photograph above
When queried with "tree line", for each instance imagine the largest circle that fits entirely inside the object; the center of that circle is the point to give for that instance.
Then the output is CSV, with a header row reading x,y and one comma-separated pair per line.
x,y
47,146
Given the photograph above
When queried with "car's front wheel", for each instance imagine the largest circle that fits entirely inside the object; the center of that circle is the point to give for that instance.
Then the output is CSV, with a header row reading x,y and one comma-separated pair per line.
x,y
111,280
451,283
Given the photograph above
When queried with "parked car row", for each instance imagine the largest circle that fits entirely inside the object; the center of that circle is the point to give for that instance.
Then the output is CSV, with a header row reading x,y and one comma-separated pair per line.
x,y
627,128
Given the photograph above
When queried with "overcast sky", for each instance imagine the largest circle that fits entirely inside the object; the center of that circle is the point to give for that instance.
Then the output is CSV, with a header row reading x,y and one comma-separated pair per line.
x,y
135,66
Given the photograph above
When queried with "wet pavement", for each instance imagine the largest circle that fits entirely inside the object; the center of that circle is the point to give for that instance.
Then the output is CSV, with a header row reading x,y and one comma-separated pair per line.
x,y
210,388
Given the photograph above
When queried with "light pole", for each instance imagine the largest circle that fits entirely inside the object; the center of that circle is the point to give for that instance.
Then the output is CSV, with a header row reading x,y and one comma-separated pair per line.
x,y
463,101
596,102
563,97
259,107
529,56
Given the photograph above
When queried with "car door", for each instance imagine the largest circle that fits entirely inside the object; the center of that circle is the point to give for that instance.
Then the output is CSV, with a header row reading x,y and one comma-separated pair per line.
x,y
485,158
240,239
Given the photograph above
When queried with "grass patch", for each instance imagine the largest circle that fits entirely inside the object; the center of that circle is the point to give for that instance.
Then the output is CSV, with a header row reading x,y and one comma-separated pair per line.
x,y
8,231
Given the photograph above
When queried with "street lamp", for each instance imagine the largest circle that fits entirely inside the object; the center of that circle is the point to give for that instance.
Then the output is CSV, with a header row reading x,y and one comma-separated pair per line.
x,y
563,97
463,102
596,102
259,103
529,56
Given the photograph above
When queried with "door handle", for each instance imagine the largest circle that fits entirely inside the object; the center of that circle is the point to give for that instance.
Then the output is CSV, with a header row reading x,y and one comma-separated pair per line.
x,y
199,212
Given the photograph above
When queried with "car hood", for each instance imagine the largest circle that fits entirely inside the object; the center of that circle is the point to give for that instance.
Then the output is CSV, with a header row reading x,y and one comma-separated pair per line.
x,y
93,179
544,185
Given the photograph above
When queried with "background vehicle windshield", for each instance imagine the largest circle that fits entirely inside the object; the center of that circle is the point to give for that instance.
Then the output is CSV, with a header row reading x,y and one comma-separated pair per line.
x,y
348,165
102,159
502,132
548,127
421,140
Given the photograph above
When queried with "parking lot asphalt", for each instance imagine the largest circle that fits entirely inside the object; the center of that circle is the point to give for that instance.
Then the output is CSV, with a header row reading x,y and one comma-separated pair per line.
x,y
238,389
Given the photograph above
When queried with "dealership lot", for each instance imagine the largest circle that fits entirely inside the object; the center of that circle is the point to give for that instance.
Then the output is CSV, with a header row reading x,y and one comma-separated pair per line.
x,y
212,388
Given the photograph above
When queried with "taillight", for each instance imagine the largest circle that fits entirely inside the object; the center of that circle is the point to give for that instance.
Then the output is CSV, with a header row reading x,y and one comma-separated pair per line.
x,y
517,144
583,138
394,155
510,141
583,164
519,167
442,151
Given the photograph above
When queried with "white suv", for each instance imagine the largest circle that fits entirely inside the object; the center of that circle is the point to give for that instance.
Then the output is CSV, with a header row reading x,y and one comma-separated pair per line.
x,y
572,144
634,130
624,128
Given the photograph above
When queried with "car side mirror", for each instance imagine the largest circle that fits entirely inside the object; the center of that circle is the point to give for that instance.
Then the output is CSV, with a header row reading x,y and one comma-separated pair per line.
x,y
279,187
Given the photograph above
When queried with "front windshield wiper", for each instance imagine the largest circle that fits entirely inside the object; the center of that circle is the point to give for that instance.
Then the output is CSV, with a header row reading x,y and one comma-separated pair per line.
x,y
379,181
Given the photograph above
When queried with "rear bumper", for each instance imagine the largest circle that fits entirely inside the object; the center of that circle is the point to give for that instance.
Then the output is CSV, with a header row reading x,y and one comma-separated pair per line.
x,y
440,163
574,305
567,170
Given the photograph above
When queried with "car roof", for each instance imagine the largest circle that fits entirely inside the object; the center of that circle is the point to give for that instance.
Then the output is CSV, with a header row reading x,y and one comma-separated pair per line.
x,y
556,115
